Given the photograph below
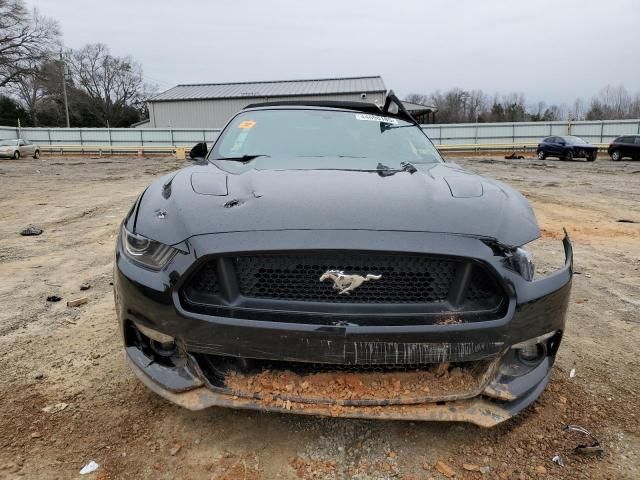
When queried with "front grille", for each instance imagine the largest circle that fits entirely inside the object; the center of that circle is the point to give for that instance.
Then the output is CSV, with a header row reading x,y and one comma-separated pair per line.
x,y
405,278
286,287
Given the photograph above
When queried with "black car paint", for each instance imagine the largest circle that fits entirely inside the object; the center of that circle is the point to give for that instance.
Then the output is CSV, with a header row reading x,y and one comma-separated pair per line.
x,y
627,146
556,146
440,209
154,300
438,198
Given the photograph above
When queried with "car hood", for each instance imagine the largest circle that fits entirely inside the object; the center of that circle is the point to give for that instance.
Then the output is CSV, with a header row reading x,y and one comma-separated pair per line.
x,y
436,198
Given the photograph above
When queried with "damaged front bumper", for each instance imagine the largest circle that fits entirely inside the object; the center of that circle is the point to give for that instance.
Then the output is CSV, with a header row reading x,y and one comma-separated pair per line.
x,y
479,411
536,314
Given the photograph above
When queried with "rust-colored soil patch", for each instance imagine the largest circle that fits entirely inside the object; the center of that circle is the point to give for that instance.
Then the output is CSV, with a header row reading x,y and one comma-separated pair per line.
x,y
414,386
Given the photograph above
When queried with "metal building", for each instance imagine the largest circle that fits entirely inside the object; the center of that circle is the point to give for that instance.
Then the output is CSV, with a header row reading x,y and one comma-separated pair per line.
x,y
210,105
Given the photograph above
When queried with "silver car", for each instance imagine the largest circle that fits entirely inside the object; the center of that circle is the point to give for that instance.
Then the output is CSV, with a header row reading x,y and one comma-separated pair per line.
x,y
18,148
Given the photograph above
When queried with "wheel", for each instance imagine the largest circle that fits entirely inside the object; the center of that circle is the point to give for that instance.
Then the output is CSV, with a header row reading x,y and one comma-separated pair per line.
x,y
592,157
16,155
542,155
615,155
568,156
36,154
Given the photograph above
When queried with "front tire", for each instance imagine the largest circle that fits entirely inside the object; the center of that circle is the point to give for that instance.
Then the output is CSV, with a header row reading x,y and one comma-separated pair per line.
x,y
568,156
16,155
592,157
541,155
36,154
616,156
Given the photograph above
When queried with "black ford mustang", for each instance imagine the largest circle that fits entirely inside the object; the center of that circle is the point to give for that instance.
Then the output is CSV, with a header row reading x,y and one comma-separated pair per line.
x,y
324,259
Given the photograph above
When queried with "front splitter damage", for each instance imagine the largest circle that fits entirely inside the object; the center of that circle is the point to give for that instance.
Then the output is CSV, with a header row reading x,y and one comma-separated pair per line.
x,y
479,410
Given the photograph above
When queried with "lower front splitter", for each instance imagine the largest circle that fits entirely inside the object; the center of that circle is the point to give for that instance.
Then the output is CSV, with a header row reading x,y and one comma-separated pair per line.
x,y
478,411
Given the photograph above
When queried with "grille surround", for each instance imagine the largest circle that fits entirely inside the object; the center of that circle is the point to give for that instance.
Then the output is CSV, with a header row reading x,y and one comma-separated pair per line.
x,y
465,289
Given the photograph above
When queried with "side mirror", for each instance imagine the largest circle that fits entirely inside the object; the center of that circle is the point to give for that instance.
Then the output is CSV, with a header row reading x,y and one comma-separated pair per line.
x,y
199,151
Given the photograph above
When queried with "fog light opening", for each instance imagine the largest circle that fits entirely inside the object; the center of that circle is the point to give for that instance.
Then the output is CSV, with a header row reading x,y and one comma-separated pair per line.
x,y
532,351
160,347
164,349
532,354
154,335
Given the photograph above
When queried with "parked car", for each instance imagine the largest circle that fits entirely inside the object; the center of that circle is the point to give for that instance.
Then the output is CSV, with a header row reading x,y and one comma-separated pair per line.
x,y
627,146
18,148
322,258
566,148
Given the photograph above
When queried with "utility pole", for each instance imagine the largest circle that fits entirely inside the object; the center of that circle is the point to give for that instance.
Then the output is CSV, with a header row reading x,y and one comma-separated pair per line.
x,y
64,89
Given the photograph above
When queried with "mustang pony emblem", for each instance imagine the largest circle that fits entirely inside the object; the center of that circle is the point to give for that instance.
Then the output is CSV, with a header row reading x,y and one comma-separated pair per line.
x,y
346,283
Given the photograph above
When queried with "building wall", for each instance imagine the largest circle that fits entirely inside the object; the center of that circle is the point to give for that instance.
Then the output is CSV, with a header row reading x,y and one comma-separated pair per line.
x,y
216,113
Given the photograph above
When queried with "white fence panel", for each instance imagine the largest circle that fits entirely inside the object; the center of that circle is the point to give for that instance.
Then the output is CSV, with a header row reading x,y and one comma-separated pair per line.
x,y
441,134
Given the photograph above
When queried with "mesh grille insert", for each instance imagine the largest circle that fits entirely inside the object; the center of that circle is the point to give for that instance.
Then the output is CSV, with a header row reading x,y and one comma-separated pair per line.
x,y
405,278
481,287
206,280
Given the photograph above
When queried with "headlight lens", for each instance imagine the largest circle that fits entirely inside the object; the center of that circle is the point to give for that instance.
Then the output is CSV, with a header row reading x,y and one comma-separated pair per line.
x,y
149,253
523,263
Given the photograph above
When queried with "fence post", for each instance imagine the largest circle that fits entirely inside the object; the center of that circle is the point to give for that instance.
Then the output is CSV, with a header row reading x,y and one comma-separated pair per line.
x,y
171,135
110,142
49,135
601,130
141,139
440,134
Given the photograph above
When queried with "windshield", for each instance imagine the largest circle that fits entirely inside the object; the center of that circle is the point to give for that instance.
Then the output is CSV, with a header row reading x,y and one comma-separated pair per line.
x,y
574,140
8,142
317,138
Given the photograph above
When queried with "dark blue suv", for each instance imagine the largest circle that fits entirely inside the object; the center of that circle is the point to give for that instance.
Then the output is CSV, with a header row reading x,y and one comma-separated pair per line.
x,y
625,146
566,148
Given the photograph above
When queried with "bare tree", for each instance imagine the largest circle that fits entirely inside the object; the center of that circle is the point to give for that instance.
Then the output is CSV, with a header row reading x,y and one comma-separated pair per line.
x,y
29,89
417,98
457,105
26,40
578,109
477,105
114,85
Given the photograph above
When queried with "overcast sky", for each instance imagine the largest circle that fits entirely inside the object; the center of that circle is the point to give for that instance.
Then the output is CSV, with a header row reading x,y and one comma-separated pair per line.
x,y
548,50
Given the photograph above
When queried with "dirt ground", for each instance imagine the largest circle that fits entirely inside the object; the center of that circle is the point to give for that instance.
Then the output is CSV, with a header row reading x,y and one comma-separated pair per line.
x,y
53,354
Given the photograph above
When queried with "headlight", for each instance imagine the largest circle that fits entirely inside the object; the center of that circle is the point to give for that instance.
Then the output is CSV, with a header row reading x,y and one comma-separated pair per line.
x,y
522,262
149,253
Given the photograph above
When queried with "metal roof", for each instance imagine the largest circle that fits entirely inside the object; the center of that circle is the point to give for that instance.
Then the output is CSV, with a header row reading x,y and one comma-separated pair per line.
x,y
419,107
276,88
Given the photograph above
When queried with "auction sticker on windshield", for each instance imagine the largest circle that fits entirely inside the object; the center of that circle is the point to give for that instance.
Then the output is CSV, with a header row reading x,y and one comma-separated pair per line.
x,y
247,124
375,118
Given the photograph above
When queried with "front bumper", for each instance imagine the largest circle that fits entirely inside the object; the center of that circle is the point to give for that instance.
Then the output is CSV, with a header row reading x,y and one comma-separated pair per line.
x,y
151,299
585,152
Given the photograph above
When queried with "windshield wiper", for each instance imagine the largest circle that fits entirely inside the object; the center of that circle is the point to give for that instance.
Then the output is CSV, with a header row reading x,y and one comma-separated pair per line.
x,y
408,167
385,171
243,158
